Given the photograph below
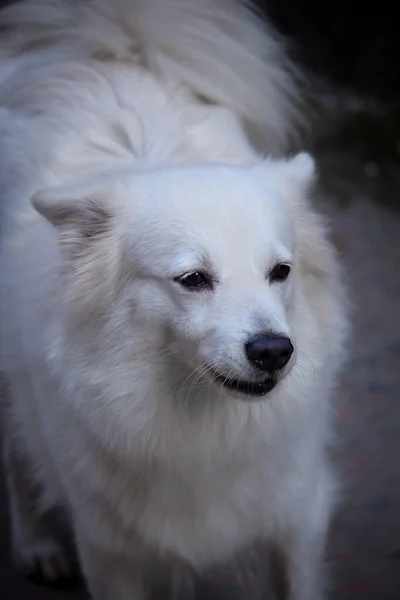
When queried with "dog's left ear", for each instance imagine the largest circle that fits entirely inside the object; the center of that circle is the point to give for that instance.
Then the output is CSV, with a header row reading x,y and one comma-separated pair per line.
x,y
295,174
301,169
315,250
294,179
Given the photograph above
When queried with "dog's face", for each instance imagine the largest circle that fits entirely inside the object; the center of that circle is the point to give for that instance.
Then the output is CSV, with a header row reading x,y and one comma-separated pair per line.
x,y
210,258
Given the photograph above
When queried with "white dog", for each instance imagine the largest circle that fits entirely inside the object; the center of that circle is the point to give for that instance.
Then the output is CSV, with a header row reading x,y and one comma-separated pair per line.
x,y
171,314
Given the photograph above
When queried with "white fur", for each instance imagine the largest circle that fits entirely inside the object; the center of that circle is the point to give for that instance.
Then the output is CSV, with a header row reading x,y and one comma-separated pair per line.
x,y
129,158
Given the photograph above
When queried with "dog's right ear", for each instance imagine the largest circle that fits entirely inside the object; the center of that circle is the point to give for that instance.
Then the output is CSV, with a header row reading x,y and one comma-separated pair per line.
x,y
81,215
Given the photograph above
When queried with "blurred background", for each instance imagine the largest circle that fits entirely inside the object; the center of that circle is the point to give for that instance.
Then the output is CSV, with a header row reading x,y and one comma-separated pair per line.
x,y
350,59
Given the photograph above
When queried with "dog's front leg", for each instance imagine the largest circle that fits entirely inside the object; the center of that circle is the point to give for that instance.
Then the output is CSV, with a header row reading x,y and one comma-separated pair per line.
x,y
298,548
111,577
297,568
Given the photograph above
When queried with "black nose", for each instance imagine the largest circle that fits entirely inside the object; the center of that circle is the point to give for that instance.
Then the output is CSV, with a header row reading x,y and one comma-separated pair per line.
x,y
269,351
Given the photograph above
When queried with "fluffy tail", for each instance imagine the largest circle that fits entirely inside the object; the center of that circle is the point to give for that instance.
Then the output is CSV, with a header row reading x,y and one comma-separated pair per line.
x,y
219,49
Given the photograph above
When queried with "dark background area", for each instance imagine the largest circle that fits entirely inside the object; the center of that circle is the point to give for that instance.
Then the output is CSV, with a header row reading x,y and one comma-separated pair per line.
x,y
350,59
354,45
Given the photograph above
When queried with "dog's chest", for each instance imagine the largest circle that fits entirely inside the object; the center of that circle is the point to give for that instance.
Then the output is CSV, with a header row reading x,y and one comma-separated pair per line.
x,y
202,516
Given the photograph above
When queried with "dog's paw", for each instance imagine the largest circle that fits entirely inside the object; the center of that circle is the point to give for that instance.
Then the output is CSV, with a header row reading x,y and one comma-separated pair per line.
x,y
45,561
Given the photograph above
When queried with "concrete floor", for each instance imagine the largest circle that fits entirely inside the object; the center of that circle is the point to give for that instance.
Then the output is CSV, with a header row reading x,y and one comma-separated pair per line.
x,y
364,550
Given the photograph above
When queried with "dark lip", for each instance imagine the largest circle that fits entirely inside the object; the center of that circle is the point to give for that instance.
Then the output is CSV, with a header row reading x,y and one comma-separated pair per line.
x,y
248,388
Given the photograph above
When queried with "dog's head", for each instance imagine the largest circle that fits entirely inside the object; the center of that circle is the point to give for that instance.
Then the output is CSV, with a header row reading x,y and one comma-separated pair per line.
x,y
210,256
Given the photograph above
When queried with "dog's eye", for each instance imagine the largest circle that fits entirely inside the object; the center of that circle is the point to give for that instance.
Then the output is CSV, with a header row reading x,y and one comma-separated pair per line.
x,y
194,281
279,273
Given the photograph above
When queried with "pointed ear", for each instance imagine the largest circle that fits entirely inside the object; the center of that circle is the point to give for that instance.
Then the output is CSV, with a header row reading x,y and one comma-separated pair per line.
x,y
301,169
80,214
315,250
292,177
296,174
83,217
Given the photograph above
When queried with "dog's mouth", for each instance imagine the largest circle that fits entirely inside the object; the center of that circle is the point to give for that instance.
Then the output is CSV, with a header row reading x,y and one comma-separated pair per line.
x,y
247,388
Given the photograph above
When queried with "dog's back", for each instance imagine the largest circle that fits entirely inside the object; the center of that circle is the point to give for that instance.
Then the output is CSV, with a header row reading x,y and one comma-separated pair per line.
x,y
220,51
